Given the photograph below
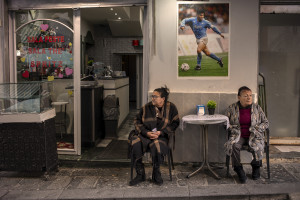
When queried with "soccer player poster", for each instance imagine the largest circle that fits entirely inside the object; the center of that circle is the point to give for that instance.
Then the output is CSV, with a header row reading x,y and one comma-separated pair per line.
x,y
203,39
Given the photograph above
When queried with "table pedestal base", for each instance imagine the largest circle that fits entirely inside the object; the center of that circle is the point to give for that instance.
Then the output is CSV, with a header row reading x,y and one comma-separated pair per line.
x,y
205,154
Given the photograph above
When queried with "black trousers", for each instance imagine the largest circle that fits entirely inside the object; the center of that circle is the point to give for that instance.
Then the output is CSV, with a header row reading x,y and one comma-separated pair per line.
x,y
236,152
157,149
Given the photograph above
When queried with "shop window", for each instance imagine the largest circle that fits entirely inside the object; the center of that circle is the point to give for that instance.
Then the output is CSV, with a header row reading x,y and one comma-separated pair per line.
x,y
44,52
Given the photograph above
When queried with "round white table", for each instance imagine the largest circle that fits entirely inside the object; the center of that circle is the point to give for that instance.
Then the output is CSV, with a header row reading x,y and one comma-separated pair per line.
x,y
204,121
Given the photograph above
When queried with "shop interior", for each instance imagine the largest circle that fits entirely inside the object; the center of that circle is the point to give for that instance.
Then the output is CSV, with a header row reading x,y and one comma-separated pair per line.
x,y
112,47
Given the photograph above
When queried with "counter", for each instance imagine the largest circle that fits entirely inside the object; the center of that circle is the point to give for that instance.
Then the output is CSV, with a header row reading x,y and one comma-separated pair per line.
x,y
28,142
27,117
120,88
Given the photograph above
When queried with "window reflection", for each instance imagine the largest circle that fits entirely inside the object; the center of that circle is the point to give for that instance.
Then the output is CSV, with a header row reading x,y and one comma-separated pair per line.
x,y
44,48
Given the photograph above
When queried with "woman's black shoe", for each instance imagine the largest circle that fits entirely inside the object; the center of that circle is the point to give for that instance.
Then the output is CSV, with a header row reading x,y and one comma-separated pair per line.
x,y
256,169
241,174
156,176
140,175
255,172
138,179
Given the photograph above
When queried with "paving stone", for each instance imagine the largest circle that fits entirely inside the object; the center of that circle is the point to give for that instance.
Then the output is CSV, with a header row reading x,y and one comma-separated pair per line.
x,y
78,194
59,183
219,190
280,175
9,183
110,194
24,195
30,184
112,183
211,180
293,169
270,197
197,179
3,192
86,172
88,182
274,188
156,192
64,172
294,196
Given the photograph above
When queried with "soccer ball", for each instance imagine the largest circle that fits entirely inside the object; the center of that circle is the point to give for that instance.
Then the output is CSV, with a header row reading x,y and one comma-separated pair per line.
x,y
185,67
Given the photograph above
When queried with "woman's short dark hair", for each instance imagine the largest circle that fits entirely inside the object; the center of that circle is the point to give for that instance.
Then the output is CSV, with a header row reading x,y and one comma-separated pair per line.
x,y
164,92
244,88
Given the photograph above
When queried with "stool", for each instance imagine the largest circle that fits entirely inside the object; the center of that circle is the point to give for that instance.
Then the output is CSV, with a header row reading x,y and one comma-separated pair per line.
x,y
63,122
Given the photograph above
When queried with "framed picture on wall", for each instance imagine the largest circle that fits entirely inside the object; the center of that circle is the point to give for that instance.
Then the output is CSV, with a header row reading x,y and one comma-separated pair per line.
x,y
203,39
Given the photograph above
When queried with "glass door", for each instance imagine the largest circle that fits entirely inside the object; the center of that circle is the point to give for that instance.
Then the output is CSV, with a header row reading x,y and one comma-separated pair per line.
x,y
44,42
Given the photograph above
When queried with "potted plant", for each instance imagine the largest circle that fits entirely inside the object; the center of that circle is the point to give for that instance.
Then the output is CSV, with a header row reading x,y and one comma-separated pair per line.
x,y
211,105
90,62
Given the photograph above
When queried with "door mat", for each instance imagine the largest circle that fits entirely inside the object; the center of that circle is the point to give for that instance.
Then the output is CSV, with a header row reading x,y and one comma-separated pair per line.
x,y
65,145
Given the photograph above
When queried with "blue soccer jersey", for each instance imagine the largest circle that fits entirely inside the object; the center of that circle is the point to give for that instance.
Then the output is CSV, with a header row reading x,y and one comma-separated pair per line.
x,y
198,27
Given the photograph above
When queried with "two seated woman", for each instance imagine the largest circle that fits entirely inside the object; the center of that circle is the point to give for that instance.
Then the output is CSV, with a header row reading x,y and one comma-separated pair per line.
x,y
158,120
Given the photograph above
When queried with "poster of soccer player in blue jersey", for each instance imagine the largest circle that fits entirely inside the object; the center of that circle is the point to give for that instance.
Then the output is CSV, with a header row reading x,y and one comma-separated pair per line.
x,y
203,39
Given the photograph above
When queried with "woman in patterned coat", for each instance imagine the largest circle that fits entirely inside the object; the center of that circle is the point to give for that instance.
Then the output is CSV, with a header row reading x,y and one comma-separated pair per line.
x,y
155,124
247,125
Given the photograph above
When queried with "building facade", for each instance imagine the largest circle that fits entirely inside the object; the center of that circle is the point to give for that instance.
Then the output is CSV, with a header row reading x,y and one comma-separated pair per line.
x,y
160,63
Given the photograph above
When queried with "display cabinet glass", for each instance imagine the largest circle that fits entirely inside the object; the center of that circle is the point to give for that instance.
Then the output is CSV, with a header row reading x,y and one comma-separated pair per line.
x,y
25,97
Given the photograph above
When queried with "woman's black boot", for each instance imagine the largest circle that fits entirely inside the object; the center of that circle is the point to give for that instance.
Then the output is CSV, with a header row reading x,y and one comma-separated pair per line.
x,y
156,175
241,174
255,169
140,174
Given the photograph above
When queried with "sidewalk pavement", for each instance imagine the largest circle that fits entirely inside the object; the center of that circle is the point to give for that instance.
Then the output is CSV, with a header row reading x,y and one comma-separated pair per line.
x,y
73,182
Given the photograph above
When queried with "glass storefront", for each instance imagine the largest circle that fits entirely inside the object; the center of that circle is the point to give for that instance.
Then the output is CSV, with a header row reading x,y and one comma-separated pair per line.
x,y
44,52
55,45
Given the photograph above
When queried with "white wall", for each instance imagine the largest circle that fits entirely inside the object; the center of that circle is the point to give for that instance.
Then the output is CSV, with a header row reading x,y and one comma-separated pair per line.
x,y
243,58
187,93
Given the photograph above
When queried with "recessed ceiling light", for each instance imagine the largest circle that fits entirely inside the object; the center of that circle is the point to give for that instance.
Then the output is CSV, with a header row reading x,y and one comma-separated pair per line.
x,y
91,5
116,13
119,18
111,9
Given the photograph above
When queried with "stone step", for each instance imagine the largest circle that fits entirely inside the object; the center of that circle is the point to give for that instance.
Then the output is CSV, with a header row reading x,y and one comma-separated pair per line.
x,y
285,140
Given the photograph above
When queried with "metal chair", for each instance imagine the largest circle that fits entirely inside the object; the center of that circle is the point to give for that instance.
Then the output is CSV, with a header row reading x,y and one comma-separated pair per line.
x,y
246,148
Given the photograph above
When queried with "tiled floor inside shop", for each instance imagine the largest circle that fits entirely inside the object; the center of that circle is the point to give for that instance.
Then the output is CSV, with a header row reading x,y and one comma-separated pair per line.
x,y
108,149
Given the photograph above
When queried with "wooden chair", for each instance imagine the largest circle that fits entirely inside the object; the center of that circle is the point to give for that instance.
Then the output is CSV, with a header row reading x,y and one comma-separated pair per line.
x,y
246,148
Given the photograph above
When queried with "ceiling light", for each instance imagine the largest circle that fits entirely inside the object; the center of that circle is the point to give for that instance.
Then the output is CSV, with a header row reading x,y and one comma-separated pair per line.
x,y
116,13
111,9
91,5
119,18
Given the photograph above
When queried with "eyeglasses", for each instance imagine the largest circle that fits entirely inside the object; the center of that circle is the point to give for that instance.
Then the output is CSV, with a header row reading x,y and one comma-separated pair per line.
x,y
246,96
154,96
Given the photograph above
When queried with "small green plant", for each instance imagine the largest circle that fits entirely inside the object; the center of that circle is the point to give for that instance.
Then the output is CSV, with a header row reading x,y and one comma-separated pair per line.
x,y
211,104
90,62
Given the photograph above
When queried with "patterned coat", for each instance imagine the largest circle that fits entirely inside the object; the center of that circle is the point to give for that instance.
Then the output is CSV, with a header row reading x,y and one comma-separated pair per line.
x,y
259,124
149,118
